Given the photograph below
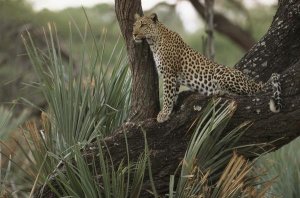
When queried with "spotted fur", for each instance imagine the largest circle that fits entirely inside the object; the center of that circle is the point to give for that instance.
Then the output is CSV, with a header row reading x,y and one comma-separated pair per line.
x,y
179,64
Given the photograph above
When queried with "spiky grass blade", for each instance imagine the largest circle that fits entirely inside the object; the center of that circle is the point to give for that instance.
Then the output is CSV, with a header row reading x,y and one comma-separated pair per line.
x,y
77,178
85,106
209,152
8,122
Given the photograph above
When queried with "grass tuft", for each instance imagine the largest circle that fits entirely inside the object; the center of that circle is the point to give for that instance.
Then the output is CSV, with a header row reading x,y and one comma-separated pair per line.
x,y
210,167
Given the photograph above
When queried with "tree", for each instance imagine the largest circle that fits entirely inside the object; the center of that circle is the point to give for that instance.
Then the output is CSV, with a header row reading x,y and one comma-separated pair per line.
x,y
144,100
278,51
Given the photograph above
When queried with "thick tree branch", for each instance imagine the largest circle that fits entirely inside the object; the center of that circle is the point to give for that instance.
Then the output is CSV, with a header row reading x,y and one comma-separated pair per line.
x,y
227,28
279,48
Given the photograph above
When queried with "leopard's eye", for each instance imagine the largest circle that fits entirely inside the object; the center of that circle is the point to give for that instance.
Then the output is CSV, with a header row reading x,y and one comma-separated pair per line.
x,y
143,25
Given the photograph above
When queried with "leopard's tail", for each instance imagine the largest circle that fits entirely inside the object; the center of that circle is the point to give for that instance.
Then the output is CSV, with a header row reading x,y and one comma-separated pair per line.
x,y
275,101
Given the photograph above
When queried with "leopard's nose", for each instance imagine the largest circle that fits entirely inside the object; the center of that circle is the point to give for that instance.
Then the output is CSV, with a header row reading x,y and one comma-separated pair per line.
x,y
134,34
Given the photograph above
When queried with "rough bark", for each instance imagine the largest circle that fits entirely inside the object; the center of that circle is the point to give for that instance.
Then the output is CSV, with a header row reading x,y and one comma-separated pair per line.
x,y
223,25
167,141
145,95
279,48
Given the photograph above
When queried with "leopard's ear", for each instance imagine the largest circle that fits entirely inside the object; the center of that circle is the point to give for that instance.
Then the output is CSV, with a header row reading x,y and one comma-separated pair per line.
x,y
136,16
154,18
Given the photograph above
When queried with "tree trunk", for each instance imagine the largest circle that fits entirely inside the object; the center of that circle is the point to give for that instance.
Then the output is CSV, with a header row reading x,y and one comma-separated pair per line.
x,y
145,91
279,49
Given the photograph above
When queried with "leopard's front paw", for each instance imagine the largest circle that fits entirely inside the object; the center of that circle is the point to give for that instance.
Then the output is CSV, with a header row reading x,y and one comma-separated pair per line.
x,y
162,116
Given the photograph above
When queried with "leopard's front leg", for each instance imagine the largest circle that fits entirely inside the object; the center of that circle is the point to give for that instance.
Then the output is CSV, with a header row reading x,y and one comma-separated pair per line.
x,y
169,96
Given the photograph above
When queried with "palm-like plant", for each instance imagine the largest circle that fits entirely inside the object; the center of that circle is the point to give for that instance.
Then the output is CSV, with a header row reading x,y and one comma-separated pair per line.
x,y
209,168
81,179
83,105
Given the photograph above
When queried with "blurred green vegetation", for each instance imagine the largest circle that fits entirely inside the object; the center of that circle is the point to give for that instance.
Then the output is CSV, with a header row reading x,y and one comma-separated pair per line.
x,y
283,166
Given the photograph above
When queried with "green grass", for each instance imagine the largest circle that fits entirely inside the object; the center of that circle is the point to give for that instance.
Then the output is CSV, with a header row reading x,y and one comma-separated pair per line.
x,y
82,105
80,179
211,159
9,123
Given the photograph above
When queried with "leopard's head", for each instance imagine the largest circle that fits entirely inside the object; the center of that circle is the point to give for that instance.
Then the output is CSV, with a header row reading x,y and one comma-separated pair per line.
x,y
145,27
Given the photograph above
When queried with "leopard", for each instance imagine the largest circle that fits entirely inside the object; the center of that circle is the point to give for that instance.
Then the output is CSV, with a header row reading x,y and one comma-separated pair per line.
x,y
179,64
